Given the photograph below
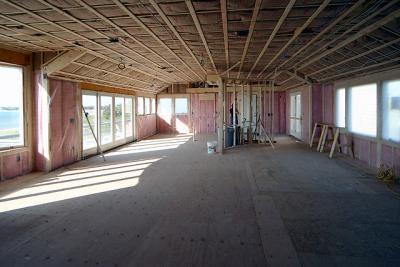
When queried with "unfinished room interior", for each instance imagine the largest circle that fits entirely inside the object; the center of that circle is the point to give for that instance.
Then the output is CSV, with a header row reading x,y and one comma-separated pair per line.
x,y
199,133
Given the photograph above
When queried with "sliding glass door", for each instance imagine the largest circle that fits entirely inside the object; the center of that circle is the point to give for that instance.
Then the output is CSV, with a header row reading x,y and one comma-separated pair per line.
x,y
112,119
129,122
119,129
89,122
106,120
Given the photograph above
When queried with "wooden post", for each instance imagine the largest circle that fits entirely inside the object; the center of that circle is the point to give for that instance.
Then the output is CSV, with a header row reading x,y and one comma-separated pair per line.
x,y
220,116
272,108
44,113
250,130
242,116
234,114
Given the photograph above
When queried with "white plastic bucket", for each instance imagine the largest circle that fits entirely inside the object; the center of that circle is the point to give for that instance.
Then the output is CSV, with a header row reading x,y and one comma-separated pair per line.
x,y
212,147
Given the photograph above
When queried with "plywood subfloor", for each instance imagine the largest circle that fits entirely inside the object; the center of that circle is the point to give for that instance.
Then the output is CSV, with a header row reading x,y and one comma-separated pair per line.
x,y
165,202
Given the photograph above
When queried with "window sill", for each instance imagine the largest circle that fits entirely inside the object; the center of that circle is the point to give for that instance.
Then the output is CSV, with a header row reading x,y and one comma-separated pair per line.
x,y
11,151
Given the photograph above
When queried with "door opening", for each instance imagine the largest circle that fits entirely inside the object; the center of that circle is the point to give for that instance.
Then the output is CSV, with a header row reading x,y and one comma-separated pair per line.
x,y
295,115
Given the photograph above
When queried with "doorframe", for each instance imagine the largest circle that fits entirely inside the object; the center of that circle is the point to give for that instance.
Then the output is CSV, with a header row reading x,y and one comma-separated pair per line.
x,y
173,113
296,93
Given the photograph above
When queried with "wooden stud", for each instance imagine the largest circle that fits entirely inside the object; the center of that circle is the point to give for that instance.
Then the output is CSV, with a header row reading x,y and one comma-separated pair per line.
x,y
297,32
200,31
271,37
325,30
256,10
224,15
352,38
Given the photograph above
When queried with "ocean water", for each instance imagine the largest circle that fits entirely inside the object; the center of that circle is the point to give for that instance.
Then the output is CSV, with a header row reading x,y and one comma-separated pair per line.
x,y
9,119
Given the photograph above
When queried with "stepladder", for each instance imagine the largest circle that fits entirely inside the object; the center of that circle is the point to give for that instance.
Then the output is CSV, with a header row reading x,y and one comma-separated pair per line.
x,y
318,128
348,143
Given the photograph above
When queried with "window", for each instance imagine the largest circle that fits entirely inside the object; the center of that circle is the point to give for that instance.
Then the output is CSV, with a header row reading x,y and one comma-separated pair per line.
x,y
340,107
106,119
391,110
363,108
147,105
11,107
128,117
119,118
153,106
89,103
181,105
140,107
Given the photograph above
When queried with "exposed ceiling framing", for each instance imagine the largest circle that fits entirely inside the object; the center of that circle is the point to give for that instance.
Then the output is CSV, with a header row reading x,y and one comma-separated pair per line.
x,y
148,44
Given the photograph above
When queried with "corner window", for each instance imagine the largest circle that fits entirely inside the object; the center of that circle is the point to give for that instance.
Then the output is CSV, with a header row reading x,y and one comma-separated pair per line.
x,y
153,106
140,107
391,110
147,105
11,107
363,109
181,105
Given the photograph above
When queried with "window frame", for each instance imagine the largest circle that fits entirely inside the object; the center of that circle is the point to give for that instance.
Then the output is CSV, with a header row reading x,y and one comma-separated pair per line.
x,y
348,109
335,105
115,142
187,105
24,130
379,78
147,100
153,105
380,124
137,106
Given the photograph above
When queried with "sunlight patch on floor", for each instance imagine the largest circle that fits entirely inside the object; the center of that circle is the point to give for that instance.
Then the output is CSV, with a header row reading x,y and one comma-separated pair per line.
x,y
78,183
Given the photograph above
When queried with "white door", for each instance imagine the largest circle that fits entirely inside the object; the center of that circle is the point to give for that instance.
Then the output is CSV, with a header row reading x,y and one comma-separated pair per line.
x,y
295,115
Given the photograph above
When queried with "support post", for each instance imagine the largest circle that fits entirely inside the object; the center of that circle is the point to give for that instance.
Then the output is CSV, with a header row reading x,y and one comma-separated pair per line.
x,y
44,115
220,116
273,109
250,115
234,114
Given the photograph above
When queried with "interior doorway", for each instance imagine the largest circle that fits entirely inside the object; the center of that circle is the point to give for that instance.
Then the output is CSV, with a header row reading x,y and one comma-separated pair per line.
x,y
173,114
295,115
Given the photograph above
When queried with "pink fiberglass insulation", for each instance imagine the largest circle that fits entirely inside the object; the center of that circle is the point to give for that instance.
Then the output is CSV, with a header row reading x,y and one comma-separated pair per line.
x,y
15,165
38,123
145,126
279,112
203,114
63,122
328,99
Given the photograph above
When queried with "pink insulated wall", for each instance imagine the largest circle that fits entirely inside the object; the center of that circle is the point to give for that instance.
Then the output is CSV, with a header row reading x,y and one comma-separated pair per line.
x,y
64,122
145,126
365,149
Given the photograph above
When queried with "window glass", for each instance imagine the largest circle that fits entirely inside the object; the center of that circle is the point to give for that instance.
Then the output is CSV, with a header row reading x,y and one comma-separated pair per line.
x,y
106,119
391,110
363,109
128,117
119,118
181,105
340,107
11,107
140,107
153,106
147,105
89,103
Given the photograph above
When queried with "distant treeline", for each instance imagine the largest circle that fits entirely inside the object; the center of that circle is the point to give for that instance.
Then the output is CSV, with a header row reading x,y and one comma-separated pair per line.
x,y
9,108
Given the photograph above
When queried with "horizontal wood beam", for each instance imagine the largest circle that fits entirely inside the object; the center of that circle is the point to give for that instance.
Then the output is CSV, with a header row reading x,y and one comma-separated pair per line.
x,y
61,61
13,57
